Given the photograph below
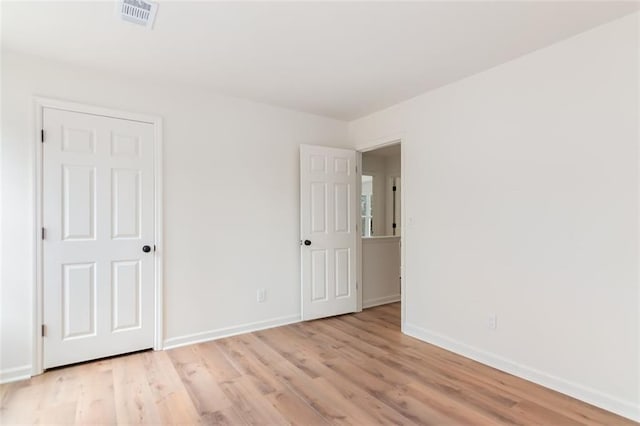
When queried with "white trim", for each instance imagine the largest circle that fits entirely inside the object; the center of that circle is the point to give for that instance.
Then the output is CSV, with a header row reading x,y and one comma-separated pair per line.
x,y
591,396
39,104
403,233
637,418
383,142
158,174
380,301
14,374
95,110
219,333
37,356
359,272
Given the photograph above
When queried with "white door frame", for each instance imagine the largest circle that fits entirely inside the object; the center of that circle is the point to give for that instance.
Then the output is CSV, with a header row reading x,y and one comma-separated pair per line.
x,y
38,300
366,147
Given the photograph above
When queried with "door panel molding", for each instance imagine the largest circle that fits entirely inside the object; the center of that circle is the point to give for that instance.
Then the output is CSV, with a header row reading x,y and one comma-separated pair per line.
x,y
77,141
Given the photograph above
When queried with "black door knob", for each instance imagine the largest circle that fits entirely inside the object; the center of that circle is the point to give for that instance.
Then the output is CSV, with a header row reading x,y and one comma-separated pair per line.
x,y
146,249
307,242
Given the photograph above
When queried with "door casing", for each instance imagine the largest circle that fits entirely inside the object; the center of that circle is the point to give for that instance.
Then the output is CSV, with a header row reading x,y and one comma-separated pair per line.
x,y
38,301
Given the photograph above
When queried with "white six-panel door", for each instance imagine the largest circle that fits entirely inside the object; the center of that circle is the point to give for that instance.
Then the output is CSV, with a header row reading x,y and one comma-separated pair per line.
x,y
328,208
98,213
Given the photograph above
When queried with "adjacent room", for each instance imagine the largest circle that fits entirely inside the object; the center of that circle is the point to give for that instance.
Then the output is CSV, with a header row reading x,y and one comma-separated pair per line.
x,y
380,209
320,212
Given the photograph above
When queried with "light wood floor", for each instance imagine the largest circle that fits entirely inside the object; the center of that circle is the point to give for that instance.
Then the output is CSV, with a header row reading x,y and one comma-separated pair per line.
x,y
353,369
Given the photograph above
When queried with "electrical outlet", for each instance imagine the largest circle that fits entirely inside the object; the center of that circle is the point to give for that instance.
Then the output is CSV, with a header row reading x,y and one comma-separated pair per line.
x,y
492,321
262,295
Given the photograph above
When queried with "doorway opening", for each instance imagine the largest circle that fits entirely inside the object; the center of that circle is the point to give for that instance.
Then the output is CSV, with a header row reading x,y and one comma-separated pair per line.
x,y
381,224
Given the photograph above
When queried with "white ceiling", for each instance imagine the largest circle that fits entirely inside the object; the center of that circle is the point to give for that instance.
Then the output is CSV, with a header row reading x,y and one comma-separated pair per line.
x,y
340,59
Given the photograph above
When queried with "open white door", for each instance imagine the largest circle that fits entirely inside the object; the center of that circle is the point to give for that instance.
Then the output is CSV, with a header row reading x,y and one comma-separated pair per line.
x,y
98,236
328,217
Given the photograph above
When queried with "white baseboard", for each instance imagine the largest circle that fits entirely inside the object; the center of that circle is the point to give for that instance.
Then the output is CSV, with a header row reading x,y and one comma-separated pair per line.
x,y
205,336
591,396
380,301
15,374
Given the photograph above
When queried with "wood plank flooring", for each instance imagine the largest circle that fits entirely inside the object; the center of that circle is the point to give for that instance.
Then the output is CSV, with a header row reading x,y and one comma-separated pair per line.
x,y
353,369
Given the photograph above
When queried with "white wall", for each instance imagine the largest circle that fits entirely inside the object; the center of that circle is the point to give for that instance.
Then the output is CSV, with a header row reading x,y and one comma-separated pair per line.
x,y
521,199
231,196
380,271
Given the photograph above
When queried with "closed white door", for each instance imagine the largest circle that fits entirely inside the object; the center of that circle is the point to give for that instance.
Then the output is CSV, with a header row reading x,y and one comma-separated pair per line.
x,y
328,231
98,248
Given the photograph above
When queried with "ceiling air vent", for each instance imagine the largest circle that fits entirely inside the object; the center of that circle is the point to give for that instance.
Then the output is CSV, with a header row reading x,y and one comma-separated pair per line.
x,y
141,12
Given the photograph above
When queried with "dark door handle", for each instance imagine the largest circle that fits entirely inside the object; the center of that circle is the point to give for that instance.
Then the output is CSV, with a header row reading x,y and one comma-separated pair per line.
x,y
307,242
146,249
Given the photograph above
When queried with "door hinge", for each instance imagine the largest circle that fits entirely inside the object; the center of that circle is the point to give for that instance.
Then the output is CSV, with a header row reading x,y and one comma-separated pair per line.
x,y
43,233
393,226
394,188
42,135
44,330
